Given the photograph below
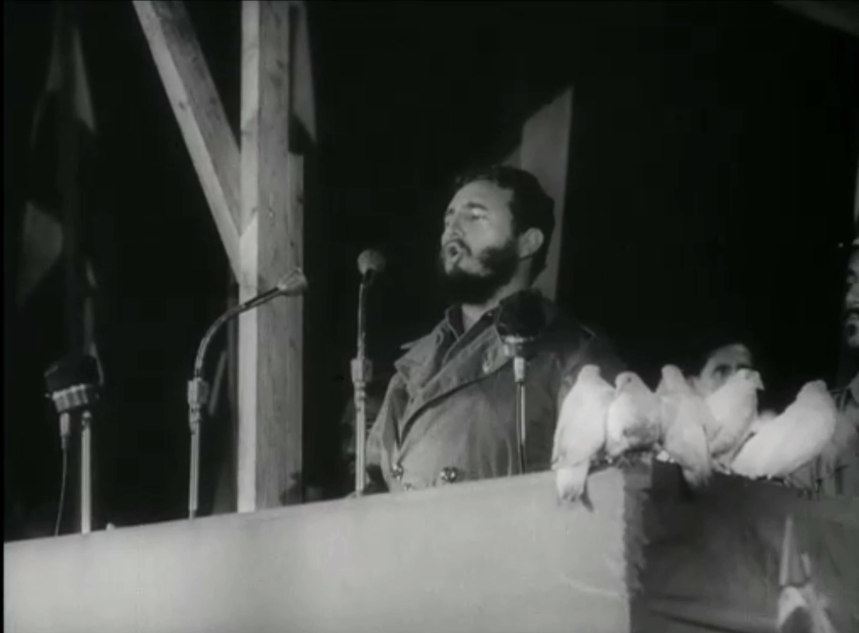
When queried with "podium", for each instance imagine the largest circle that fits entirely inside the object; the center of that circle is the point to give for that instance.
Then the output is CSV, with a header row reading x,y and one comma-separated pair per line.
x,y
496,556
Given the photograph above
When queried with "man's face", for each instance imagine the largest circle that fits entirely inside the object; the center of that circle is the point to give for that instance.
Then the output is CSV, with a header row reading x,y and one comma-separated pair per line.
x,y
851,303
479,251
722,363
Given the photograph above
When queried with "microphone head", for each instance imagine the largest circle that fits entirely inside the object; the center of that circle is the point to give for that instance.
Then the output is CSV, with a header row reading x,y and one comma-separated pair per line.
x,y
371,261
293,283
521,316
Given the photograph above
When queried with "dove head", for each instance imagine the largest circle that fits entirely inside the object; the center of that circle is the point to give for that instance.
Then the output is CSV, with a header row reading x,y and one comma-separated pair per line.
x,y
749,378
589,372
815,390
672,376
623,379
815,395
626,379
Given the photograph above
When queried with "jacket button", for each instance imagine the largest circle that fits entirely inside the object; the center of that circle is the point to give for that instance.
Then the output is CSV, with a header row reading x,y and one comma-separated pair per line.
x,y
448,475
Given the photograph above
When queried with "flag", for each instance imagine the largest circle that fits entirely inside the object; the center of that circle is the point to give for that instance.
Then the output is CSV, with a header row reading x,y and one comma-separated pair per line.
x,y
42,239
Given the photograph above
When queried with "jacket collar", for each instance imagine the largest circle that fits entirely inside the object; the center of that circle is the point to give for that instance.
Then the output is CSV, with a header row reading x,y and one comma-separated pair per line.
x,y
483,356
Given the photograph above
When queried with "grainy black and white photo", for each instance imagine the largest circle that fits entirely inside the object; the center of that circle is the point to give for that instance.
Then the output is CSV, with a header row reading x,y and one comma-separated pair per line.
x,y
492,317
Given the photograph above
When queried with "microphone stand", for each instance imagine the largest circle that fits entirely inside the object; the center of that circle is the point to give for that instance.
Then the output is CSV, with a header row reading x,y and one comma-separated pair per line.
x,y
515,347
86,471
362,374
79,397
198,388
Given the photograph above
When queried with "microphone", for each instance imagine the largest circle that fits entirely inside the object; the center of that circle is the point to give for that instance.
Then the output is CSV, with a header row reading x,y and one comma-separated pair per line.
x,y
370,263
521,317
292,284
519,322
72,385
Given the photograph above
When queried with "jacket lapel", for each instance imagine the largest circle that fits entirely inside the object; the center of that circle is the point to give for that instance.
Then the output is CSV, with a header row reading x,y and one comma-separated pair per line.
x,y
483,357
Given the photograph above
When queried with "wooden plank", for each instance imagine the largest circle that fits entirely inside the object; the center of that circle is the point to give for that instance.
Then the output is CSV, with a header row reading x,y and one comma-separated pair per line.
x,y
497,555
199,112
270,339
545,153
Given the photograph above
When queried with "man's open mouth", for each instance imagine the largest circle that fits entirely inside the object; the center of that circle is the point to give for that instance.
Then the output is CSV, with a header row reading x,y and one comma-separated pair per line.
x,y
453,249
851,321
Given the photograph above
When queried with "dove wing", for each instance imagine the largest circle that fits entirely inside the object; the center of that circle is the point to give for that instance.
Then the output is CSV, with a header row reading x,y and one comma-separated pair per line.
x,y
581,424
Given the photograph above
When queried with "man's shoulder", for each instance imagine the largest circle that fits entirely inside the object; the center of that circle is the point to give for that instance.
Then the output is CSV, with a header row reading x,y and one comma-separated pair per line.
x,y
578,343
569,335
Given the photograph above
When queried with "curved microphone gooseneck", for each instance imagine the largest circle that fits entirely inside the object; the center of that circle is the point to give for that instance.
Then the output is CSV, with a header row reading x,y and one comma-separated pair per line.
x,y
294,283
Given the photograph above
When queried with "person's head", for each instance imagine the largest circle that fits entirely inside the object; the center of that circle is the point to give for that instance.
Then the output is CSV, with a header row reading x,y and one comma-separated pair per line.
x,y
497,229
851,300
719,365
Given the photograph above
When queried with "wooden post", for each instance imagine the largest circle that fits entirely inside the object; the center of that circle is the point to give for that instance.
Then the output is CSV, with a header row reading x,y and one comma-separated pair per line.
x,y
270,338
200,114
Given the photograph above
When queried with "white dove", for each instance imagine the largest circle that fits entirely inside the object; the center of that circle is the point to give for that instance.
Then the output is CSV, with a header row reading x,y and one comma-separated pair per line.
x,y
684,417
788,442
580,432
632,420
734,406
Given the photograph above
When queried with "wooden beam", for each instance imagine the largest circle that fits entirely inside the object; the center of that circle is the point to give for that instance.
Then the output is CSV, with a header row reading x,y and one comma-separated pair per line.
x,y
545,153
843,16
200,114
271,338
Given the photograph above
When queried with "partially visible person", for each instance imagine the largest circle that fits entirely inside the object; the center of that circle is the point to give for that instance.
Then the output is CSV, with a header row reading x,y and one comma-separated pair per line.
x,y
836,471
720,364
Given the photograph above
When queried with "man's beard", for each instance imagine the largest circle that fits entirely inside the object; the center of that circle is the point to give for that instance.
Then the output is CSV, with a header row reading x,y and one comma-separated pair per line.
x,y
499,264
851,332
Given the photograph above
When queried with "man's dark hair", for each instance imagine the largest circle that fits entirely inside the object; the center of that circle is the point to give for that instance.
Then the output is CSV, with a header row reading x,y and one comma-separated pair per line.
x,y
530,205
706,342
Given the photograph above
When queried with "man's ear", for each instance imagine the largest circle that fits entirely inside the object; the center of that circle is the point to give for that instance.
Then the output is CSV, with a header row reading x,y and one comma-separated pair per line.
x,y
530,242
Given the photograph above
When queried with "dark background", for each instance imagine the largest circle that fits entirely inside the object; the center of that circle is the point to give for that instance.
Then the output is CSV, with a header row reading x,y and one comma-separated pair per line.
x,y
712,171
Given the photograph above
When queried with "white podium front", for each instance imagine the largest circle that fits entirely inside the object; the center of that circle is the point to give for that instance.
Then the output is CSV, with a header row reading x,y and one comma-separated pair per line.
x,y
496,556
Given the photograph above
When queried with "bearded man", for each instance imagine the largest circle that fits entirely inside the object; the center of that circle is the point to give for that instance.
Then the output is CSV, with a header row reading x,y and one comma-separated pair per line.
x,y
449,413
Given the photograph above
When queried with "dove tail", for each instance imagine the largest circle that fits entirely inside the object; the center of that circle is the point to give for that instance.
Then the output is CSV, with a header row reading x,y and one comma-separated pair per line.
x,y
571,482
696,477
